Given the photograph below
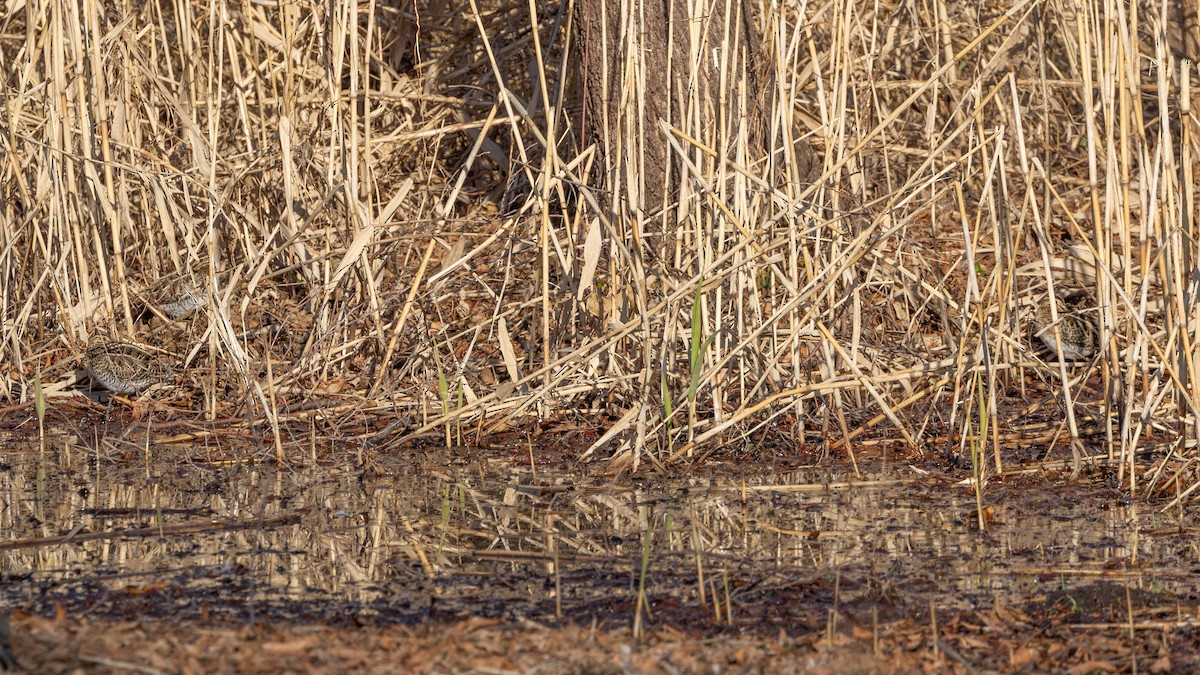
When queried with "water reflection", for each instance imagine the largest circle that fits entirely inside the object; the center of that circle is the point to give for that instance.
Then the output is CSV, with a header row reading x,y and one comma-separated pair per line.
x,y
188,533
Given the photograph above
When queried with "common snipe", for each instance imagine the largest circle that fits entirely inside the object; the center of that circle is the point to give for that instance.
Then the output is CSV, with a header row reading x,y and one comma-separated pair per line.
x,y
124,368
1076,326
178,294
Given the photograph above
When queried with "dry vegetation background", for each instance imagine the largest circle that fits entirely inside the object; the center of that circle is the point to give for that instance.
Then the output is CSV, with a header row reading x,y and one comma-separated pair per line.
x,y
825,218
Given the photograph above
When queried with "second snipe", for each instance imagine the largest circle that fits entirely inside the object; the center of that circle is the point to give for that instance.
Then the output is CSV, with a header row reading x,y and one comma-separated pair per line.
x,y
178,294
1076,326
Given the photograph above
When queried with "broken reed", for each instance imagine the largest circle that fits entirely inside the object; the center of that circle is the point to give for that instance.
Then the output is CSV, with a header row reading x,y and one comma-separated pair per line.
x,y
833,199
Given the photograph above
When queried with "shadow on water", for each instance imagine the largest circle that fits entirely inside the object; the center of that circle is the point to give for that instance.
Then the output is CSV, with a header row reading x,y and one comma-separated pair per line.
x,y
445,535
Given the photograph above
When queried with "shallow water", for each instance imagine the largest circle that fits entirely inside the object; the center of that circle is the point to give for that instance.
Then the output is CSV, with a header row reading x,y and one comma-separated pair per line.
x,y
430,534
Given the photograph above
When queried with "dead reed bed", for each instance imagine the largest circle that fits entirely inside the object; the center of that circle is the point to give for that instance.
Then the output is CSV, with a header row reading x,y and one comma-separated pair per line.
x,y
685,223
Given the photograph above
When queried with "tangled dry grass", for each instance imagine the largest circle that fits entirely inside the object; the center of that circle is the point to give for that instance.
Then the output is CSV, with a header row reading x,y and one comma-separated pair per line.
x,y
834,219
